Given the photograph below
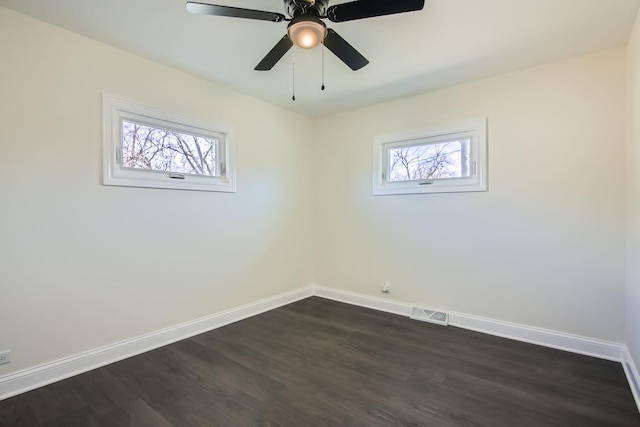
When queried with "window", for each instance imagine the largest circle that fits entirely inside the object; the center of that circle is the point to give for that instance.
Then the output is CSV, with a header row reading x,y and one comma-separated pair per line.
x,y
146,147
437,160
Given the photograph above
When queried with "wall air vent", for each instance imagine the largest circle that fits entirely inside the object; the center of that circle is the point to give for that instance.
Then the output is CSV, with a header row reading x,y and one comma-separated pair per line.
x,y
439,317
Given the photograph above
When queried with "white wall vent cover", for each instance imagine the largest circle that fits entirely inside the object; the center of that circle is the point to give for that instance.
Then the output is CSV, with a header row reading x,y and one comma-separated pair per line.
x,y
439,317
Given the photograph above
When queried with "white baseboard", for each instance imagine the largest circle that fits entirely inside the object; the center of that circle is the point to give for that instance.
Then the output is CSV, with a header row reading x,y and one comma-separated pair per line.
x,y
559,340
545,337
361,300
29,379
633,377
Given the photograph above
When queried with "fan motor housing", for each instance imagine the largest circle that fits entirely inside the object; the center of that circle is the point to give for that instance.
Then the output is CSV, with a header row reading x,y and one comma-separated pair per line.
x,y
301,7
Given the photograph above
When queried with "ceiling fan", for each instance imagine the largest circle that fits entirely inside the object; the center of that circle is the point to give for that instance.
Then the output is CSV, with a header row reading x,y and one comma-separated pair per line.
x,y
306,29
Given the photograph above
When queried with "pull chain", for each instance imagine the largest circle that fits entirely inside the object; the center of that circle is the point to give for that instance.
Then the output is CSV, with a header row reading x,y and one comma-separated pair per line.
x,y
293,76
322,87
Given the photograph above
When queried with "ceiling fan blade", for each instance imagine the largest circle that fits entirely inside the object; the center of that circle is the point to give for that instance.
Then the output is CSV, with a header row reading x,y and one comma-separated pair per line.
x,y
234,12
343,50
275,54
361,9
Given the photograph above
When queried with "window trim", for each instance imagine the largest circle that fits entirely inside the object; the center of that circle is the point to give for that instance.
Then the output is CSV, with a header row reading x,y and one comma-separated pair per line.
x,y
115,109
475,129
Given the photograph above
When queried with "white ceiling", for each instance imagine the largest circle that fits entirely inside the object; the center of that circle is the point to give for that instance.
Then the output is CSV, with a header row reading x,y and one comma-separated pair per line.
x,y
448,42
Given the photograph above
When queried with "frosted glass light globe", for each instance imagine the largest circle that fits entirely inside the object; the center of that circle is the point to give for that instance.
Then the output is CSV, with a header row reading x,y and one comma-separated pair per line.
x,y
307,34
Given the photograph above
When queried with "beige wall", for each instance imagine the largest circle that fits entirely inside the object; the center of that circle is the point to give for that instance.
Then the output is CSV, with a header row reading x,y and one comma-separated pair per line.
x,y
83,265
633,197
543,247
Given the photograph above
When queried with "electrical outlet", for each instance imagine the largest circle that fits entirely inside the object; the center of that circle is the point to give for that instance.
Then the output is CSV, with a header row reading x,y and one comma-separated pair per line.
x,y
5,357
385,287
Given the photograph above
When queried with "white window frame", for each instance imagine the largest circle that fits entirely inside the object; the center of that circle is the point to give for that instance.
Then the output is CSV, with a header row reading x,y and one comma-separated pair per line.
x,y
475,130
115,109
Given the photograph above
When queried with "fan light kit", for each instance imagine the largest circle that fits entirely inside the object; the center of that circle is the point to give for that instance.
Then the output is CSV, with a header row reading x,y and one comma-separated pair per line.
x,y
306,29
307,33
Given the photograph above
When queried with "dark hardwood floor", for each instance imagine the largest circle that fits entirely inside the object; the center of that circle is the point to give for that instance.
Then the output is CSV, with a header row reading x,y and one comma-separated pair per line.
x,y
323,363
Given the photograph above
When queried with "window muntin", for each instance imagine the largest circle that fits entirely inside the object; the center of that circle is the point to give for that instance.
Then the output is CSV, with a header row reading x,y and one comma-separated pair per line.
x,y
441,159
145,146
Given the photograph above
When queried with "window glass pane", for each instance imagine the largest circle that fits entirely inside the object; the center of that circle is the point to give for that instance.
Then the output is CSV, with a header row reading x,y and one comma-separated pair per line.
x,y
152,148
440,160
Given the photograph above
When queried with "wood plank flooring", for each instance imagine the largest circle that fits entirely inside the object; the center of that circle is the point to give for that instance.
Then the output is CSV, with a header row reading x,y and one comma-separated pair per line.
x,y
323,363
